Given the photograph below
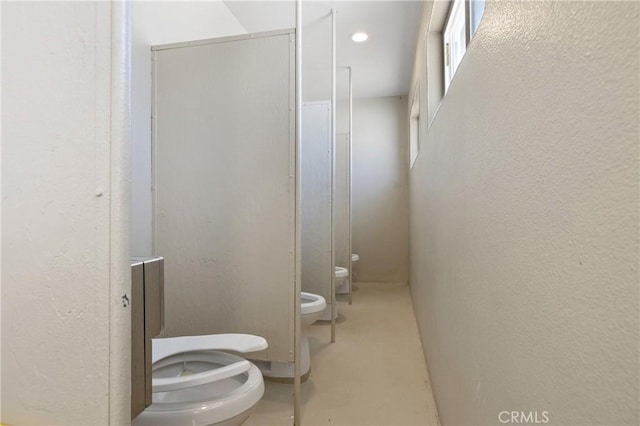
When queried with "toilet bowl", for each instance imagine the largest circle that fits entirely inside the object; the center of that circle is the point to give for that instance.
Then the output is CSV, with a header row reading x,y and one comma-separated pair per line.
x,y
311,310
194,383
345,285
312,307
340,278
341,272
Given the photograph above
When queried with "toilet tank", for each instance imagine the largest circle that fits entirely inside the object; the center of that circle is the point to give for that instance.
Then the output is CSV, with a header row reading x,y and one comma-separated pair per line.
x,y
147,320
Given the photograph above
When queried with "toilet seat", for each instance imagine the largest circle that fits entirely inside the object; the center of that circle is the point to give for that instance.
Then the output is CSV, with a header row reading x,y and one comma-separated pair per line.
x,y
167,384
218,388
242,343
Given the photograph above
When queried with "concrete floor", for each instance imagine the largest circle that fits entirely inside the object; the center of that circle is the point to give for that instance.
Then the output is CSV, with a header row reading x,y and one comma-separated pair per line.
x,y
374,374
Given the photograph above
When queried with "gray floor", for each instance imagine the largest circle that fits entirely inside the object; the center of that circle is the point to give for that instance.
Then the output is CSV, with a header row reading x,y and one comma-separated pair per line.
x,y
374,374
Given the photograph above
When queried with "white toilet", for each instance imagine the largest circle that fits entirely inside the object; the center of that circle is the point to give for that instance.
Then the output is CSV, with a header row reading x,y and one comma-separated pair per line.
x,y
349,281
341,273
312,307
195,384
340,277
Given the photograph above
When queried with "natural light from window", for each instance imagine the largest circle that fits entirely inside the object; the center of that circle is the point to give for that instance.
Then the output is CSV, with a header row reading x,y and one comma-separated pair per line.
x,y
458,32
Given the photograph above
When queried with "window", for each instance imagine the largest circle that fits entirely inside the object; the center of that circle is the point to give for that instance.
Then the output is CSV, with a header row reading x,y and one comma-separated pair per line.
x,y
457,33
455,43
414,128
476,10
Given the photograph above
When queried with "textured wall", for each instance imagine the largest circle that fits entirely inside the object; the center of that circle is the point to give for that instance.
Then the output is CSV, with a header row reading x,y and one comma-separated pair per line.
x,y
380,189
65,215
524,218
154,23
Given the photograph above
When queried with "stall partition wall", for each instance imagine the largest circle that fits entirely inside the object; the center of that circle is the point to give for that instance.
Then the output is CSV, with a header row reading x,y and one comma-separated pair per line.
x,y
342,202
225,187
317,267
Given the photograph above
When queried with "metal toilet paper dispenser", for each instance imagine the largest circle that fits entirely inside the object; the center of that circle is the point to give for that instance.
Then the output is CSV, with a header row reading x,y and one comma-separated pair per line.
x,y
147,320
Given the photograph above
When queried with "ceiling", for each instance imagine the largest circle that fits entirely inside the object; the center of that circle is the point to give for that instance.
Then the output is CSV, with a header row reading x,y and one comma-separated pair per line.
x,y
381,66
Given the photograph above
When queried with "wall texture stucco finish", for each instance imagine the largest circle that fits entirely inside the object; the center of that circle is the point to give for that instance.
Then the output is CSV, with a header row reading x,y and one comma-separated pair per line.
x,y
524,218
65,213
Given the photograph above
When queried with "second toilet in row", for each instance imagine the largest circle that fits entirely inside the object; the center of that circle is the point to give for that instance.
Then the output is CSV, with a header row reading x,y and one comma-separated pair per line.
x,y
312,308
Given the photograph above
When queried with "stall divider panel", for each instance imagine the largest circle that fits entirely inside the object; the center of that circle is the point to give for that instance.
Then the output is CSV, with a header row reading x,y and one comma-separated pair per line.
x,y
317,269
224,165
342,203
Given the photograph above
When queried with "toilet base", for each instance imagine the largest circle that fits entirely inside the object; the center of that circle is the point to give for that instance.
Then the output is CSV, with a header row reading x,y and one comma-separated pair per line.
x,y
288,380
326,314
284,372
237,420
343,288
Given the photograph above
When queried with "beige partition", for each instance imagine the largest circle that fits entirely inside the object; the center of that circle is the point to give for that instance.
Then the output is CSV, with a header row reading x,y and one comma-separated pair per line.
x,y
317,269
342,202
224,186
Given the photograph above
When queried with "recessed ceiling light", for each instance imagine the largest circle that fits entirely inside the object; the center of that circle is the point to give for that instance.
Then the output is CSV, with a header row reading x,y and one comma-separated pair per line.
x,y
359,37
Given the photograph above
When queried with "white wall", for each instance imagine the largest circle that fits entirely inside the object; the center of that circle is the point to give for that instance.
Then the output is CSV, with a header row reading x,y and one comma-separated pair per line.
x,y
379,187
524,218
65,216
156,23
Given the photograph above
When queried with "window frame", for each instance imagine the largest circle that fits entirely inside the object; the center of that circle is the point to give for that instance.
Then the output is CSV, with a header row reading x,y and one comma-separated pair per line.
x,y
455,22
414,127
464,10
